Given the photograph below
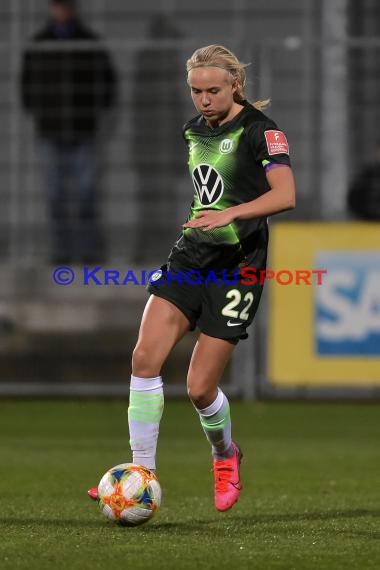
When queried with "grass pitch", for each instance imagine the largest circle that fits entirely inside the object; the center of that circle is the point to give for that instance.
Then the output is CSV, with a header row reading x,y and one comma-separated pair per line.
x,y
311,498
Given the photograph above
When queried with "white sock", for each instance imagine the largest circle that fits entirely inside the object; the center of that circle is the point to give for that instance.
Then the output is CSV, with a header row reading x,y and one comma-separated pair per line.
x,y
146,404
216,423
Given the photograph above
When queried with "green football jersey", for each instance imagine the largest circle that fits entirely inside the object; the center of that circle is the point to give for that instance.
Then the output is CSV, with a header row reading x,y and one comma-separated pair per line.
x,y
228,167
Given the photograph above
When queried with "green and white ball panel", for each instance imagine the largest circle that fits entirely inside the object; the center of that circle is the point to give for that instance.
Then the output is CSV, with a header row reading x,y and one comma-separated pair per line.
x,y
106,485
155,491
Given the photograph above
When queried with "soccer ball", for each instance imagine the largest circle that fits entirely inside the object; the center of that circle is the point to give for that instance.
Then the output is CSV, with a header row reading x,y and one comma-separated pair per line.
x,y
129,494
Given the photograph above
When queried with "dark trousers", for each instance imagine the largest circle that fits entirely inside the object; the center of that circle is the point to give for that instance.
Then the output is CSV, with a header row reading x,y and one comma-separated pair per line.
x,y
70,171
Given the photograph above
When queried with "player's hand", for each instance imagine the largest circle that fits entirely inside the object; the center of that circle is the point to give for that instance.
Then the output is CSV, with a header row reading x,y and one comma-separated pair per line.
x,y
210,219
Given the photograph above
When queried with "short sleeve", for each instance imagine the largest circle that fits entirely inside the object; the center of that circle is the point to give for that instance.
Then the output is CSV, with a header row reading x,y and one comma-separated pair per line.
x,y
269,145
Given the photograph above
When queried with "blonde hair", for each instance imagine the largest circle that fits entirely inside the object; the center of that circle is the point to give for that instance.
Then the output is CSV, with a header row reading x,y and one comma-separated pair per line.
x,y
219,56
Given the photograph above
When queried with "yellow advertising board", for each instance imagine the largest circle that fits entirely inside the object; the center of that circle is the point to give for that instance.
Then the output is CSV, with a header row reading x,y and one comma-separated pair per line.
x,y
324,334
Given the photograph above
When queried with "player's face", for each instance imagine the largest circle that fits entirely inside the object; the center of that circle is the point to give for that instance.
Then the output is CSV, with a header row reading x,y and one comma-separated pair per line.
x,y
212,92
61,13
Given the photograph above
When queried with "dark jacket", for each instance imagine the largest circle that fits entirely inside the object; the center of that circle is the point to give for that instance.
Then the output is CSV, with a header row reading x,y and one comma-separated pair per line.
x,y
363,198
65,89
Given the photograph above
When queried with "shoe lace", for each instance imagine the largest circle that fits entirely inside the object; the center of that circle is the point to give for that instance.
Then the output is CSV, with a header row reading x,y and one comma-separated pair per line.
x,y
222,471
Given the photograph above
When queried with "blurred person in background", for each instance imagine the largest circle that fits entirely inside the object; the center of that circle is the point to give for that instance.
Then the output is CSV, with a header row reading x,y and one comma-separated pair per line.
x,y
67,89
363,198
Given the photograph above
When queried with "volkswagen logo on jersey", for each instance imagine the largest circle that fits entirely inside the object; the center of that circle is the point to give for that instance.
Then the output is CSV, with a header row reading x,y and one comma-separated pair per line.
x,y
208,184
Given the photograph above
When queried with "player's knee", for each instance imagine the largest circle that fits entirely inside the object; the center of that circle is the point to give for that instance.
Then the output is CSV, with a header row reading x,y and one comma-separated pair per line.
x,y
144,365
199,395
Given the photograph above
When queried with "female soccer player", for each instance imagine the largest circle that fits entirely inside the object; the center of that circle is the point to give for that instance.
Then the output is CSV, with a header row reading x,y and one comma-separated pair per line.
x,y
240,168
